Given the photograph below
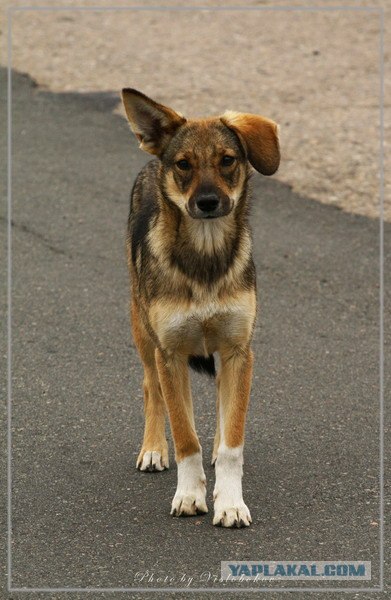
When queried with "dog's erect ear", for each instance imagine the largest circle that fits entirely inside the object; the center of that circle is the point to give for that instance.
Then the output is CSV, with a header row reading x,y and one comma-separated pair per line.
x,y
153,124
259,137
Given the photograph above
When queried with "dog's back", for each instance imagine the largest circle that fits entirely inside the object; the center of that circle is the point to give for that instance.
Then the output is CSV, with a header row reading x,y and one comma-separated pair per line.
x,y
144,206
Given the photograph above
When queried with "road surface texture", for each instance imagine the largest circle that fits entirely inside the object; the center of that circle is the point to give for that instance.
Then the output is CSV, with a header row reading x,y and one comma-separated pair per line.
x,y
82,515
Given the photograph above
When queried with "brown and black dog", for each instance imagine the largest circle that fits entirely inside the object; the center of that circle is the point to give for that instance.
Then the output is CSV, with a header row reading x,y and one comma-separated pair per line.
x,y
194,289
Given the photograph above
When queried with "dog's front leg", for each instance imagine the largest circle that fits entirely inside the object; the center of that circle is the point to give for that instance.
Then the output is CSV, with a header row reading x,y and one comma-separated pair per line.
x,y
190,495
234,391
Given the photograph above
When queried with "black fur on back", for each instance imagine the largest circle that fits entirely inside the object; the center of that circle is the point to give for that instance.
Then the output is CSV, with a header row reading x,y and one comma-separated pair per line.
x,y
203,364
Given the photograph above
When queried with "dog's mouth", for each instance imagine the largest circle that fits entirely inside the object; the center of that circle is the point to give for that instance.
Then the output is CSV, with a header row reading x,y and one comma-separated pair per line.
x,y
197,214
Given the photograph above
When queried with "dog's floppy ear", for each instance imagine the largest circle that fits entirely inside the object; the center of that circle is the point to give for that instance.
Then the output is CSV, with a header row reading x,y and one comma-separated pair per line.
x,y
153,124
259,137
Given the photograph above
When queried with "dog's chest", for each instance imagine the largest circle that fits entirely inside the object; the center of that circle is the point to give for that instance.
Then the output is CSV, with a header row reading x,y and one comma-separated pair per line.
x,y
201,328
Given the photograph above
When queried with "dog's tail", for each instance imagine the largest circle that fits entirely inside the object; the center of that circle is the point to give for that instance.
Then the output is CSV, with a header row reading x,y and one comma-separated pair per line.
x,y
203,364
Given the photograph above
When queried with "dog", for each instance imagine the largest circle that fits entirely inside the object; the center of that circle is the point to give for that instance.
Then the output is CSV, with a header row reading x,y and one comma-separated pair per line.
x,y
193,288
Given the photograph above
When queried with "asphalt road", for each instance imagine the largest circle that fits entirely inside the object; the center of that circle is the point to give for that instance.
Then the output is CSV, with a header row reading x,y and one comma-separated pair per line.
x,y
82,515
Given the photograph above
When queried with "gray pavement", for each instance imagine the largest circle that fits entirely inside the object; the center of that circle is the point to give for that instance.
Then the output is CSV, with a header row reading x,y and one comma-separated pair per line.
x,y
82,515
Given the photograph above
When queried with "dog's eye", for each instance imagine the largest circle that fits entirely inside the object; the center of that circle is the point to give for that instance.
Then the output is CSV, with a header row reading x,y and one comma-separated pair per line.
x,y
227,161
183,164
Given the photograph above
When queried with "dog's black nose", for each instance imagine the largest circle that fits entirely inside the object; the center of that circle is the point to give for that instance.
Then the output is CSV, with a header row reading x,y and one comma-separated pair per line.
x,y
208,202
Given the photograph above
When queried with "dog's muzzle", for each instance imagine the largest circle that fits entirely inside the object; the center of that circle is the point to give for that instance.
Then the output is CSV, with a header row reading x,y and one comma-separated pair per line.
x,y
209,205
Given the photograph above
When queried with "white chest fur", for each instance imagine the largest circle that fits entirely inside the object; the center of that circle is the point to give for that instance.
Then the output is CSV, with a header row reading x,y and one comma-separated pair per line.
x,y
201,327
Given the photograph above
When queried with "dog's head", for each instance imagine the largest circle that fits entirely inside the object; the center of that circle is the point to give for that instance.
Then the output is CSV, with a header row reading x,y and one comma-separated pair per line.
x,y
205,161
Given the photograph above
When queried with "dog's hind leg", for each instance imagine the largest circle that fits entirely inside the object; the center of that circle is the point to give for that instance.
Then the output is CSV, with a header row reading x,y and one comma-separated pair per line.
x,y
190,495
216,442
154,451
234,391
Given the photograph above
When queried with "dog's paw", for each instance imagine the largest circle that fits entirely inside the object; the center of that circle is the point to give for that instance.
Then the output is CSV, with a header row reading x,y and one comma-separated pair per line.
x,y
152,460
188,504
231,516
190,495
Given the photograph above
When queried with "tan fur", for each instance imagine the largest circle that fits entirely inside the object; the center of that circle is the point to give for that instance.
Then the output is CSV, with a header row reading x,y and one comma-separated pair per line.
x,y
234,392
174,378
154,407
202,326
217,438
260,136
193,279
139,120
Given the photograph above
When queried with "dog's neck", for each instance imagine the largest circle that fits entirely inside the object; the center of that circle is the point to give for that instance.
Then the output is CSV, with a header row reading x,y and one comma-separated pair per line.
x,y
209,236
206,249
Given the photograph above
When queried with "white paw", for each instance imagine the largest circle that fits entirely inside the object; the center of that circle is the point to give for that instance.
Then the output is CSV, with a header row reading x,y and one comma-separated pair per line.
x,y
189,504
226,515
190,495
152,460
229,508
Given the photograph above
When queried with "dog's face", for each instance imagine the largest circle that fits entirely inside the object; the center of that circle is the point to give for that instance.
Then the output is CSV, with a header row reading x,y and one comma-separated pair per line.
x,y
205,168
205,161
